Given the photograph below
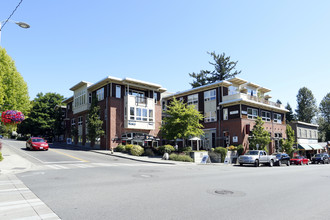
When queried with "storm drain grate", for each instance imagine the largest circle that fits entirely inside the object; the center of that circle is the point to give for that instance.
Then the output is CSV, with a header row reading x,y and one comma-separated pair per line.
x,y
226,193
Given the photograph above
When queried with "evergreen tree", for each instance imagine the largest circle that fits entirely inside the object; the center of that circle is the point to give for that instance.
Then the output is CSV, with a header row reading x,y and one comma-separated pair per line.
x,y
259,136
287,145
94,123
223,69
324,124
13,89
307,109
182,121
289,115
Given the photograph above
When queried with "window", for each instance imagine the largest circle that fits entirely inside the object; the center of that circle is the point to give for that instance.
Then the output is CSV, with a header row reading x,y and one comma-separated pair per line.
x,y
155,96
209,95
310,134
79,98
80,120
136,93
278,118
164,105
181,99
210,116
68,106
232,90
138,114
151,115
225,114
252,92
305,133
100,94
193,100
315,134
118,91
131,113
73,122
252,113
265,116
299,133
144,114
90,98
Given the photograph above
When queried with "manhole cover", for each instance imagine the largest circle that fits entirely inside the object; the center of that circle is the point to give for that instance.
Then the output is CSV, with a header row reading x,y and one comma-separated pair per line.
x,y
226,193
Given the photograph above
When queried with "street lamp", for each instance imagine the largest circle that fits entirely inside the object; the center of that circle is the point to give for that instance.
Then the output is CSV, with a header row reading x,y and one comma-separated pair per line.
x,y
19,23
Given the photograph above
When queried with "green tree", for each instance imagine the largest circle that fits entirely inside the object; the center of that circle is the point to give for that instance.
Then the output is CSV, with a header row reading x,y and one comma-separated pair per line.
x,y
287,145
94,123
41,120
13,89
259,136
182,121
324,122
307,109
223,69
289,115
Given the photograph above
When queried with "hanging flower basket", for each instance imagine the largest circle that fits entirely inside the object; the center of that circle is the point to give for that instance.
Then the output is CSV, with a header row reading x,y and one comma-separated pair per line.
x,y
12,117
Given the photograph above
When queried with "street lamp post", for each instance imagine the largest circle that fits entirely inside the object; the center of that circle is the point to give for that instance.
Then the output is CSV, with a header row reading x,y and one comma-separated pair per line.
x,y
19,23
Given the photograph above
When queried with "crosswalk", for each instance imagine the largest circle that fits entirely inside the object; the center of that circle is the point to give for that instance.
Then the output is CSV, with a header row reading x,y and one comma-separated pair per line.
x,y
95,165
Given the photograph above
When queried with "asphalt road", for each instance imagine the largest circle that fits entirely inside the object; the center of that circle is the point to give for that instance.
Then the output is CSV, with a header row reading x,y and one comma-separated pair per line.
x,y
112,188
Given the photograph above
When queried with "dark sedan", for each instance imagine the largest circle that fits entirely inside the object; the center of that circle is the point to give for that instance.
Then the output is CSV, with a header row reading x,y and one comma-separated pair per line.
x,y
321,158
282,158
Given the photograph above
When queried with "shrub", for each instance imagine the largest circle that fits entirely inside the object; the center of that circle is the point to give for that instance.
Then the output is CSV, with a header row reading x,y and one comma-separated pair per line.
x,y
181,157
149,152
222,151
186,149
120,148
240,149
232,148
165,149
137,150
1,158
128,148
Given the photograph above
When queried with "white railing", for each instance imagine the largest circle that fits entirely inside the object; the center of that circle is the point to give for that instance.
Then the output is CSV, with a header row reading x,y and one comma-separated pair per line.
x,y
251,98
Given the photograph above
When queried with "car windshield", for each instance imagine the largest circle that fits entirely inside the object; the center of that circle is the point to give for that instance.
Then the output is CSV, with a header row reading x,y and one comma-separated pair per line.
x,y
318,155
38,140
278,155
297,157
252,152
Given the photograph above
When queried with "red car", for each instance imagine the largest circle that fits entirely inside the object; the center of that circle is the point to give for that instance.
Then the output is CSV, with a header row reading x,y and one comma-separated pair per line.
x,y
299,160
36,143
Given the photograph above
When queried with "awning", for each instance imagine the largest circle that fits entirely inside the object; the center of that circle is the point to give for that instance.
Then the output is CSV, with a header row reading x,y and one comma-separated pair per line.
x,y
304,147
195,139
316,147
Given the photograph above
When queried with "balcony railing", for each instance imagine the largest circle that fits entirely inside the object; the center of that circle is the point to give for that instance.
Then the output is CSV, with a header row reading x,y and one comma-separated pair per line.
x,y
252,98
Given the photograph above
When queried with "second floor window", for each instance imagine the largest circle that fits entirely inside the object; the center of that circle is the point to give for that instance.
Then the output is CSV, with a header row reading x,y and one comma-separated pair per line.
x,y
100,94
278,118
73,122
80,120
225,114
193,100
252,113
265,116
209,95
210,116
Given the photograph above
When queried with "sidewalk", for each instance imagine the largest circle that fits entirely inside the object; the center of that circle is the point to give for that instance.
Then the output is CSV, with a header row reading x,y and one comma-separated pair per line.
x,y
16,200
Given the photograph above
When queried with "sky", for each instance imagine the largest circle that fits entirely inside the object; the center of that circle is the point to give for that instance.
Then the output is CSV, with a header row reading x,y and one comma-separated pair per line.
x,y
280,45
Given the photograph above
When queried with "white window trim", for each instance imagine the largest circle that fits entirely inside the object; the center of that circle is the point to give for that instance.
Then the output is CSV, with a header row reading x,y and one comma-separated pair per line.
x,y
209,117
100,94
254,114
276,120
225,114
118,91
266,117
210,95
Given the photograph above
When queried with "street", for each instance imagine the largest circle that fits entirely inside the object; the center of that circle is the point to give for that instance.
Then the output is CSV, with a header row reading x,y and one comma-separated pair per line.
x,y
79,184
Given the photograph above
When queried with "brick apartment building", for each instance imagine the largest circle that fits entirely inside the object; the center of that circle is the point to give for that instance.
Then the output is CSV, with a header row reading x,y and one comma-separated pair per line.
x,y
130,110
230,108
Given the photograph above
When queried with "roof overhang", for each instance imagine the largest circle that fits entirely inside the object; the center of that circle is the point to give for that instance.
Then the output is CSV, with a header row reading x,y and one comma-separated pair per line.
x,y
68,100
237,81
252,103
214,85
80,84
264,90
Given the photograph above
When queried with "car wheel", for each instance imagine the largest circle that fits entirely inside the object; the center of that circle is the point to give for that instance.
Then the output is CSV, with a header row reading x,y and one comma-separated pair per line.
x,y
271,163
307,163
288,163
241,164
256,163
279,163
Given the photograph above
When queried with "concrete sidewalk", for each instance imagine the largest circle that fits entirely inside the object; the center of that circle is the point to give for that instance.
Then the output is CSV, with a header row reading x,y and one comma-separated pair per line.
x,y
16,200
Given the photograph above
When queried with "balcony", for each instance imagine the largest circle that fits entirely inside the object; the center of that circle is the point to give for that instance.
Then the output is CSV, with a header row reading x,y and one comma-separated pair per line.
x,y
246,97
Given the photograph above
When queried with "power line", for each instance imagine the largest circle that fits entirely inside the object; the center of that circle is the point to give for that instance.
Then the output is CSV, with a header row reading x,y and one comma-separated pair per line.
x,y
10,15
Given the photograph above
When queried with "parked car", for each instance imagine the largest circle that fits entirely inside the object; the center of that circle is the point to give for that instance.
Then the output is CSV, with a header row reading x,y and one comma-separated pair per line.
x,y
282,158
36,143
321,158
256,157
299,160
0,136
